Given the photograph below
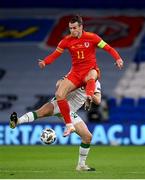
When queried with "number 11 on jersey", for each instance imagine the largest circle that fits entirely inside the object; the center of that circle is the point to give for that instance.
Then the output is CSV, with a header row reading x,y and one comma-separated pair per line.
x,y
80,54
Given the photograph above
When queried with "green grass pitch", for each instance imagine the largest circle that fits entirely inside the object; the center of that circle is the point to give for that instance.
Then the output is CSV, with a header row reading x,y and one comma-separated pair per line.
x,y
59,162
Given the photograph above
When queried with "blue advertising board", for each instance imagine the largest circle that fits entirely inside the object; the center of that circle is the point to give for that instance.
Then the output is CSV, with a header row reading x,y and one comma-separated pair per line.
x,y
103,134
24,30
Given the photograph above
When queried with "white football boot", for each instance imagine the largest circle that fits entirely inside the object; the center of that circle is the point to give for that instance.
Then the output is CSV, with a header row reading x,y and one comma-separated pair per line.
x,y
84,168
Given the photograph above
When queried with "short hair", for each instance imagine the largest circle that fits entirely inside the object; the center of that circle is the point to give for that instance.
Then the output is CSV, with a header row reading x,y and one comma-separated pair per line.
x,y
76,18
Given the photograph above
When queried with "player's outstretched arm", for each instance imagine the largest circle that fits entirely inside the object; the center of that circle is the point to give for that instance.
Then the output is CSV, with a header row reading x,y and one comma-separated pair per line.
x,y
49,59
118,60
115,55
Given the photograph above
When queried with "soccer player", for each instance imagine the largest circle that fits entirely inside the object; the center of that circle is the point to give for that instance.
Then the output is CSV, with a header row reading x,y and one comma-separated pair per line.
x,y
82,47
76,99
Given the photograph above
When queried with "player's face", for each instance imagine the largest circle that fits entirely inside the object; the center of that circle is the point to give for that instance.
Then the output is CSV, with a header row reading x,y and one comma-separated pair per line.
x,y
75,29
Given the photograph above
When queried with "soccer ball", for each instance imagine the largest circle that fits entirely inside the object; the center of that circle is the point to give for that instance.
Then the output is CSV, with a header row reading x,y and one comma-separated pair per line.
x,y
48,136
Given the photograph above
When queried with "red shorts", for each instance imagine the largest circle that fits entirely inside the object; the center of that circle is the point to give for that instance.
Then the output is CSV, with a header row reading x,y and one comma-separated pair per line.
x,y
78,78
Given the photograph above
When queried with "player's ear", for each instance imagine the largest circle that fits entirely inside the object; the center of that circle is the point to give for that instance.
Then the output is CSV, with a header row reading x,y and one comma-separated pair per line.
x,y
81,27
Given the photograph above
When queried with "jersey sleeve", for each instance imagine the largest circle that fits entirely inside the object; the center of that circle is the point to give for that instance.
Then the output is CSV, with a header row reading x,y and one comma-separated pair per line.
x,y
97,39
62,45
103,45
59,50
52,57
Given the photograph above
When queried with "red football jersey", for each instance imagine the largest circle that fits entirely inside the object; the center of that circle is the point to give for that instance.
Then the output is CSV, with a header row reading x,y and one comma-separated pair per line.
x,y
82,50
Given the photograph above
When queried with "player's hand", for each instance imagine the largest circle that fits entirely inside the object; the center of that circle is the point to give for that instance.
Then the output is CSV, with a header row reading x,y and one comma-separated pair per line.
x,y
41,64
119,63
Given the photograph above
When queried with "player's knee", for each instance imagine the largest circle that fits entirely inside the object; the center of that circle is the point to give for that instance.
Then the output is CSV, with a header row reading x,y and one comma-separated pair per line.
x,y
92,75
59,95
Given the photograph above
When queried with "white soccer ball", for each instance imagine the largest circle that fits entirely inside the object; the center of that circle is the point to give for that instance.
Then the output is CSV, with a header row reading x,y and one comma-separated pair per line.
x,y
48,136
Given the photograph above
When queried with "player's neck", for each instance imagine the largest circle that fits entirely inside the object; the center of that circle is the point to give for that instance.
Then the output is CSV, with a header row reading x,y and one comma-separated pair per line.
x,y
80,34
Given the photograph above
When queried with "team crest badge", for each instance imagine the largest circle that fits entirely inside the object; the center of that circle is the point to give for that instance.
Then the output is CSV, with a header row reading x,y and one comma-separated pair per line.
x,y
87,44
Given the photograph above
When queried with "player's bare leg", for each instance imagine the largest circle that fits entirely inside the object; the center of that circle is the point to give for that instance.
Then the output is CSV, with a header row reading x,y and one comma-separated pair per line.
x,y
64,88
90,88
86,136
45,111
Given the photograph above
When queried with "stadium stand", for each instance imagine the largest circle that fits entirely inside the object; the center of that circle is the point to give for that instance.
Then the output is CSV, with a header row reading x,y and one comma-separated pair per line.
x,y
131,90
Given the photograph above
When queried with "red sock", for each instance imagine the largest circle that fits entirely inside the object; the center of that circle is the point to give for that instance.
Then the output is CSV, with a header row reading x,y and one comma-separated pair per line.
x,y
65,110
90,87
